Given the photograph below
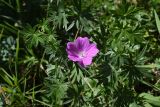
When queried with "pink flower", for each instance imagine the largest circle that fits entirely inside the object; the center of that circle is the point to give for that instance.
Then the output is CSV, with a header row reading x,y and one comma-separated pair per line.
x,y
81,51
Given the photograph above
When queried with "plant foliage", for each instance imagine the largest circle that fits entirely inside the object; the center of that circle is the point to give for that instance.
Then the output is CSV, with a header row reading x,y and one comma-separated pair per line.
x,y
34,67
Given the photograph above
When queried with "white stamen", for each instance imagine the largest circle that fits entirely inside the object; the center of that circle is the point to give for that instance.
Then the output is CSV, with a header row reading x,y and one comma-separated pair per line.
x,y
82,54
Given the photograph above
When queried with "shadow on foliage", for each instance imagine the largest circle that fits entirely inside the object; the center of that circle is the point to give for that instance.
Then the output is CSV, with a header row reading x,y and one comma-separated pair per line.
x,y
104,71
124,96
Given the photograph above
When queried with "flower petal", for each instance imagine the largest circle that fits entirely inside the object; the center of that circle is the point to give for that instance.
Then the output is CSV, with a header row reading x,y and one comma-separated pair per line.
x,y
71,46
72,51
81,64
74,58
87,60
82,43
92,50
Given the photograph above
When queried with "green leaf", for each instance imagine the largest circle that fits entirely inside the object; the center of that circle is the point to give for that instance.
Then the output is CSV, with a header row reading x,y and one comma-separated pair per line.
x,y
71,26
134,105
151,99
157,21
6,77
147,105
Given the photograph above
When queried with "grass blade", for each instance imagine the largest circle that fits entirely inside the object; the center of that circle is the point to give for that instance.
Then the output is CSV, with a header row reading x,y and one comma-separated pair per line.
x,y
157,21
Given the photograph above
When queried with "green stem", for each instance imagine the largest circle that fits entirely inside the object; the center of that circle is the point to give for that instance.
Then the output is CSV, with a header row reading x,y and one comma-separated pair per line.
x,y
18,6
17,52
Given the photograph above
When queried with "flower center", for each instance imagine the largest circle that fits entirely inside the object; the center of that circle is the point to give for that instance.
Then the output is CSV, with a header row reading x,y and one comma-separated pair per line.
x,y
82,54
